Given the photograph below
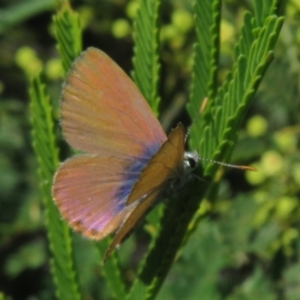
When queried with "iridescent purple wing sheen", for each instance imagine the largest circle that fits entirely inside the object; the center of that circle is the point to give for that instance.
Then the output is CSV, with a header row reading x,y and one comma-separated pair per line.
x,y
103,112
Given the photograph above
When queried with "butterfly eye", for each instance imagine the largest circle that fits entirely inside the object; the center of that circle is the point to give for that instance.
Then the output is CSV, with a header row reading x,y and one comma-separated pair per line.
x,y
190,160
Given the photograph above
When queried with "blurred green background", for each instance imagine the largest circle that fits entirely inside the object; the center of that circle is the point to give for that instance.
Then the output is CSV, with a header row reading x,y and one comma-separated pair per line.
x,y
249,246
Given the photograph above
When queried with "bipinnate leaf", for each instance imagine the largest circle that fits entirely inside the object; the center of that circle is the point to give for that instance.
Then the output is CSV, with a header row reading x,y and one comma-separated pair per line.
x,y
146,58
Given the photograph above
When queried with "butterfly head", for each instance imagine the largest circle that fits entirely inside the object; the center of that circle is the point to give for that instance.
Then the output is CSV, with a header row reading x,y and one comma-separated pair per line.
x,y
190,161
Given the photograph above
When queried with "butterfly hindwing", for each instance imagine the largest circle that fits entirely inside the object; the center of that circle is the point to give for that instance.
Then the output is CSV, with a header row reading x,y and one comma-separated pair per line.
x,y
90,193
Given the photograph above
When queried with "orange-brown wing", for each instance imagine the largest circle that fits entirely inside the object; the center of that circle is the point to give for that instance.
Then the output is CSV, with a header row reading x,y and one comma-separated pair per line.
x,y
104,113
166,164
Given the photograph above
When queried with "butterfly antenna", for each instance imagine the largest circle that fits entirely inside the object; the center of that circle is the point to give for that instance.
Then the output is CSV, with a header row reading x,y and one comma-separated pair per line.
x,y
241,167
201,110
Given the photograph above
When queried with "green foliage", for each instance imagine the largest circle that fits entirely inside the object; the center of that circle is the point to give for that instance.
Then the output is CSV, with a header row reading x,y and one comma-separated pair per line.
x,y
216,131
206,55
59,234
243,246
68,35
112,271
146,64
21,10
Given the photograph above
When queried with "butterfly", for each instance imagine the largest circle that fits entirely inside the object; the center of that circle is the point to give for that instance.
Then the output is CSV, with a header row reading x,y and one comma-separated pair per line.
x,y
128,160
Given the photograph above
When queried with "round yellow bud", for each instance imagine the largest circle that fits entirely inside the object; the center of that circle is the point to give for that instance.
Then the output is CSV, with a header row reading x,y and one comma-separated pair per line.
x,y
53,68
183,20
271,163
121,28
257,126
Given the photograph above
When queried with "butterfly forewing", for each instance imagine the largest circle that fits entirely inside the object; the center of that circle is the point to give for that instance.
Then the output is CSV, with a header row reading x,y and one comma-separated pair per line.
x,y
103,112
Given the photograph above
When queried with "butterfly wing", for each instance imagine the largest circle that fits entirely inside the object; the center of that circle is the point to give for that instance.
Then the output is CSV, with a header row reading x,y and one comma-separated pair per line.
x,y
104,113
164,166
88,192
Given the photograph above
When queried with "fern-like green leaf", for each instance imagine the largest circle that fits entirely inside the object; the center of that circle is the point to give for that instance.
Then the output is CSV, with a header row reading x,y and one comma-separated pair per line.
x,y
68,35
252,58
263,9
206,56
146,63
59,235
252,54
112,271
